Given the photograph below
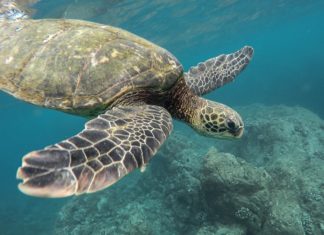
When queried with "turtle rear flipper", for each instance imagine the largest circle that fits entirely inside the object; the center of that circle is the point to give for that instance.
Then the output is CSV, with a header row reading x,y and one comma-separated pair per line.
x,y
218,71
110,146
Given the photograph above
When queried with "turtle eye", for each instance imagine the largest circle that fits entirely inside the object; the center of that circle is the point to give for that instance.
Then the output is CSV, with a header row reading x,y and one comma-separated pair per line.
x,y
231,125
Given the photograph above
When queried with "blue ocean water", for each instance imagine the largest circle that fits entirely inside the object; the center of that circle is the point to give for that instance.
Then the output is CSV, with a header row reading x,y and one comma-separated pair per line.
x,y
287,69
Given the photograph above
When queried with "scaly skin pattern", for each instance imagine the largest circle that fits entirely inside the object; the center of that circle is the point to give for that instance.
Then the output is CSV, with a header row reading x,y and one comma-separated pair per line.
x,y
218,71
110,146
122,139
77,66
207,117
217,120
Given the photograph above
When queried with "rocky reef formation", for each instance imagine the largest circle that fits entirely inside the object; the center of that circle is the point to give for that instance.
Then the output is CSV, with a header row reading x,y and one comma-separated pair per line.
x,y
289,144
269,182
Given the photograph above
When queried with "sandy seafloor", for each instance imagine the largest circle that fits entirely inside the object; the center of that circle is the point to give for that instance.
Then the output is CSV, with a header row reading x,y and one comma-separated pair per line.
x,y
269,182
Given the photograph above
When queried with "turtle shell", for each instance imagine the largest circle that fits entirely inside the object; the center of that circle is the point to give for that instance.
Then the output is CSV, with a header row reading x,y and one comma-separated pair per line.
x,y
77,66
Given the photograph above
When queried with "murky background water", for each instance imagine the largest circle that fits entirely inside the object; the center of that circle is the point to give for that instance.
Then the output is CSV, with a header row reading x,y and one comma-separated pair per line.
x,y
287,69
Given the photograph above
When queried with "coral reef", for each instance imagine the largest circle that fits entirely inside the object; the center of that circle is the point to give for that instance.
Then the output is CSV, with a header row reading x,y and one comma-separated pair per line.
x,y
288,142
236,190
271,182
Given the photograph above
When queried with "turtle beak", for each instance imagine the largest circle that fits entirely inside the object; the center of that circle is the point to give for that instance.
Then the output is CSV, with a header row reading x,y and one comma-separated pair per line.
x,y
238,129
238,132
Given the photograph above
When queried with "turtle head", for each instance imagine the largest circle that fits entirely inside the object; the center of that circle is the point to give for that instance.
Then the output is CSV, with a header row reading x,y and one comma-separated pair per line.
x,y
217,120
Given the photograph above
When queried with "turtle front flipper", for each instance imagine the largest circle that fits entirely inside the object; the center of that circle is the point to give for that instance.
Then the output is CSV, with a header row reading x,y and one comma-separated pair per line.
x,y
217,71
110,146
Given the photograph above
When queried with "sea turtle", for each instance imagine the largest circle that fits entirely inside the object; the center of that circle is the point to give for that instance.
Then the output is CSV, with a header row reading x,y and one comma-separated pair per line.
x,y
129,87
